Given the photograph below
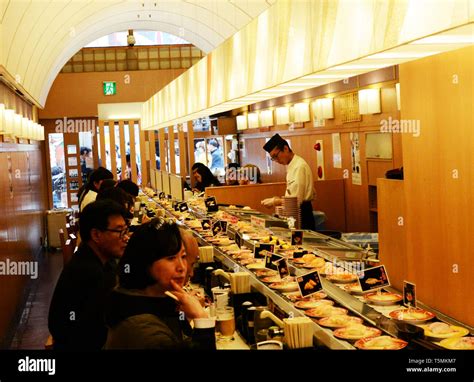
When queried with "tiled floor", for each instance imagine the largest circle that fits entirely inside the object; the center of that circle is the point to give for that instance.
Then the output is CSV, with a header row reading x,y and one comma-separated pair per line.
x,y
33,331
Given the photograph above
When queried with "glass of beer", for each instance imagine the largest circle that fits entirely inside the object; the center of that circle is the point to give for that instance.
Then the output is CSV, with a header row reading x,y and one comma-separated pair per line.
x,y
225,323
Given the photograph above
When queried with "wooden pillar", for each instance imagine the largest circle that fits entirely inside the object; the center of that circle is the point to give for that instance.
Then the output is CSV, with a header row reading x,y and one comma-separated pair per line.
x,y
171,149
103,156
190,133
113,156
183,171
161,138
151,142
143,152
95,148
133,154
123,151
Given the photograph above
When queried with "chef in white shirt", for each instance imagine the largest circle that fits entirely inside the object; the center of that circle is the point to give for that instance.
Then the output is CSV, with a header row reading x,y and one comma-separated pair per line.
x,y
299,179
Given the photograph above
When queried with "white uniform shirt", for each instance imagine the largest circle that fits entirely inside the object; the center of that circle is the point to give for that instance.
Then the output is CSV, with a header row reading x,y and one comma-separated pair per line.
x,y
299,180
88,198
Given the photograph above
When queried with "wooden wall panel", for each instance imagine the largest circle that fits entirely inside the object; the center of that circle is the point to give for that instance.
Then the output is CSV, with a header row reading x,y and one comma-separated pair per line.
x,y
249,195
393,231
377,169
21,223
439,180
330,200
77,94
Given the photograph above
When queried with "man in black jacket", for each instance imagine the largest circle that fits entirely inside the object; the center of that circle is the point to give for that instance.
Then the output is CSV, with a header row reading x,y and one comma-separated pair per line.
x,y
76,315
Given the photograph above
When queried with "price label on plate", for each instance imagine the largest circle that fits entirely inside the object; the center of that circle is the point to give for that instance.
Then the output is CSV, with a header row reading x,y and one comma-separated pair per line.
x,y
271,260
211,204
282,266
223,224
259,247
216,228
299,254
183,207
374,278
206,224
296,237
409,294
238,239
257,222
309,283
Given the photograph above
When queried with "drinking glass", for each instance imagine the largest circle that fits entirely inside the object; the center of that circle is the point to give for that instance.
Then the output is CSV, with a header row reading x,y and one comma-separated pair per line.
x,y
225,323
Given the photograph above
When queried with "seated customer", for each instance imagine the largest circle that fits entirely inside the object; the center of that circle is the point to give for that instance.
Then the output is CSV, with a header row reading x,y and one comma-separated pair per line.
x,y
76,313
139,314
204,178
119,196
231,174
249,174
88,193
129,187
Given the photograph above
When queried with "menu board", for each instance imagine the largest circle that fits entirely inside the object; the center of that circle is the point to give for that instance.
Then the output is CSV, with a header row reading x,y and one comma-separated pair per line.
x,y
309,283
409,294
211,204
260,247
374,278
271,260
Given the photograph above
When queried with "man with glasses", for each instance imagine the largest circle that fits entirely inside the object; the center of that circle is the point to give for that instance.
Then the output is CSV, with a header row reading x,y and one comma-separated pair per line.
x,y
299,179
76,315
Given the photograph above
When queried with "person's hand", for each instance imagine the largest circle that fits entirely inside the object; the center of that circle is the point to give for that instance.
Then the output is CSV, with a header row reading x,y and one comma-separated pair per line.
x,y
271,202
200,297
188,303
145,219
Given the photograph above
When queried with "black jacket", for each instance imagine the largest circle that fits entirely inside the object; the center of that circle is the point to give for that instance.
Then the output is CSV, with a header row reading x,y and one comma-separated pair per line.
x,y
137,321
76,314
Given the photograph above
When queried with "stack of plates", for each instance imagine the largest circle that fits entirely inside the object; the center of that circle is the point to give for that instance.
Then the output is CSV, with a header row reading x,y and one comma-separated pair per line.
x,y
291,209
280,210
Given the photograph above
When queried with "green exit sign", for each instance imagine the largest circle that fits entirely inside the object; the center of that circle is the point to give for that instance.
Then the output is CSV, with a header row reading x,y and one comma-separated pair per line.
x,y
110,88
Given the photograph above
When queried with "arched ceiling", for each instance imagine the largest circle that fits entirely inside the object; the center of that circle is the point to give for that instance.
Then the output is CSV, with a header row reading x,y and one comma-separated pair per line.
x,y
37,37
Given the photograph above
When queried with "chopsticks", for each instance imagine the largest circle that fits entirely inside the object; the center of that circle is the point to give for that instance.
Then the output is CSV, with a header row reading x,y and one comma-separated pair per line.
x,y
298,332
239,282
206,254
169,294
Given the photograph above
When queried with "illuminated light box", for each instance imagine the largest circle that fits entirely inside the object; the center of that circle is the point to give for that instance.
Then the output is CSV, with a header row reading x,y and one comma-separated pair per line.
x,y
301,111
242,122
252,120
282,115
323,108
369,101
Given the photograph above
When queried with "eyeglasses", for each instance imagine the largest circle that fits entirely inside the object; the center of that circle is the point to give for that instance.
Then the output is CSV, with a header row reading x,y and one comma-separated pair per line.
x,y
122,232
274,157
